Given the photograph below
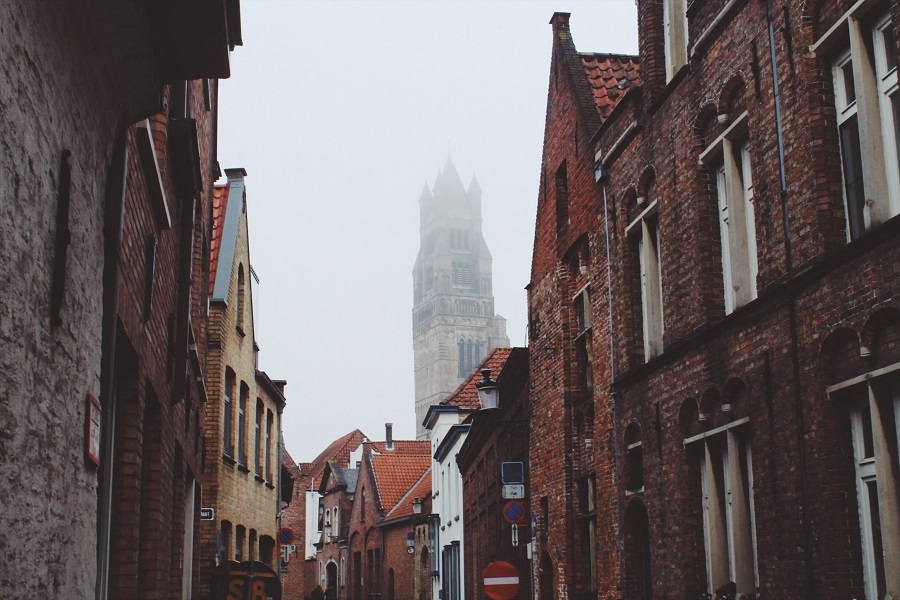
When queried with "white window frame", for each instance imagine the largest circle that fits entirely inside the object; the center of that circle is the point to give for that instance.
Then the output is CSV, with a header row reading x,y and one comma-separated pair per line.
x,y
737,216
729,531
875,85
878,468
675,30
646,229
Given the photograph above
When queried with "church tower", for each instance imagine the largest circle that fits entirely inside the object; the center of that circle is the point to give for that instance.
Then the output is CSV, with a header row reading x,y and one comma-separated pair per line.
x,y
454,325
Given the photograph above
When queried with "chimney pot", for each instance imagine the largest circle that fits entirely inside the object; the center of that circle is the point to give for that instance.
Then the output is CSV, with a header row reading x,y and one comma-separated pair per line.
x,y
389,436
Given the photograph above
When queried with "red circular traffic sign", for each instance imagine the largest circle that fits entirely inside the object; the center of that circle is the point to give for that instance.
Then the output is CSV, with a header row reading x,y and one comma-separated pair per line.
x,y
501,580
514,512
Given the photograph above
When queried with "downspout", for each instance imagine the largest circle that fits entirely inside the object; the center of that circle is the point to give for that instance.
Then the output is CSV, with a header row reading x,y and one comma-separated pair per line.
x,y
792,311
602,176
112,240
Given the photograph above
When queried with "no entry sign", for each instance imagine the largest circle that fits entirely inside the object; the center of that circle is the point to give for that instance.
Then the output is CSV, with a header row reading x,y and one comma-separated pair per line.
x,y
501,580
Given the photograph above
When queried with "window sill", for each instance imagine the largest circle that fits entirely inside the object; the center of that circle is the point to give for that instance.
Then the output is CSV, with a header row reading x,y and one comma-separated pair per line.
x,y
242,468
634,492
227,459
270,486
240,330
259,479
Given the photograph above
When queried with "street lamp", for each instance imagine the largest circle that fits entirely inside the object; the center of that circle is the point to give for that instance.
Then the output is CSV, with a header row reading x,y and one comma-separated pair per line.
x,y
488,394
417,507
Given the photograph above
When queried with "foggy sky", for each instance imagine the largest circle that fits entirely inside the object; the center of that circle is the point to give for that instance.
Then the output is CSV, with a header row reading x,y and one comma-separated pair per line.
x,y
342,112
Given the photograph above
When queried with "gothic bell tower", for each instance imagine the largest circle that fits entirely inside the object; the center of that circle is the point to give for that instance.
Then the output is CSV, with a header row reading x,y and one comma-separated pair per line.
x,y
454,325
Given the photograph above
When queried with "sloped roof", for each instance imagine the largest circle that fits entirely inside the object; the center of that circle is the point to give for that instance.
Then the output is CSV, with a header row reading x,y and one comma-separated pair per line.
x,y
466,395
219,204
421,490
395,473
400,447
339,451
610,77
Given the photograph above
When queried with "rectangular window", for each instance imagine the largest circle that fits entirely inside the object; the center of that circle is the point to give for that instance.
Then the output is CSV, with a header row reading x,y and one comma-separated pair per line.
x,y
866,98
269,425
875,425
729,157
257,447
583,351
587,534
239,533
728,522
675,24
651,288
242,425
226,410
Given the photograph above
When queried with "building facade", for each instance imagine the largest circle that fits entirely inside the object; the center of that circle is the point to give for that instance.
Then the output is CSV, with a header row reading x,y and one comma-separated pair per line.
x,y
454,324
496,437
108,157
243,417
740,254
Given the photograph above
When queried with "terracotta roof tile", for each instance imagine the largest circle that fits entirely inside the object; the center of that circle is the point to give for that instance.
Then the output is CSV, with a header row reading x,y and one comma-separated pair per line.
x,y
610,77
466,395
400,447
421,490
339,450
219,204
395,473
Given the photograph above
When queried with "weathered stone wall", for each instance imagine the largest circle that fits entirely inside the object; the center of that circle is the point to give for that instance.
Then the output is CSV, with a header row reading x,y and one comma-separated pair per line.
x,y
54,97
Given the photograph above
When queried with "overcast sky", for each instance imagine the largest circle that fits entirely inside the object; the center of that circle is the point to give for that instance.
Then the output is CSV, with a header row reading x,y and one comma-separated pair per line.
x,y
342,112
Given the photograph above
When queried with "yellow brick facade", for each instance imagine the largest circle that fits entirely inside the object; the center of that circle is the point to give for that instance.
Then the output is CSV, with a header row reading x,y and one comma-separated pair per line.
x,y
241,485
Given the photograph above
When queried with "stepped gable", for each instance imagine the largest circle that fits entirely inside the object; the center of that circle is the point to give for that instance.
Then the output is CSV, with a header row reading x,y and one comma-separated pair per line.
x,y
466,395
219,204
610,76
396,473
421,490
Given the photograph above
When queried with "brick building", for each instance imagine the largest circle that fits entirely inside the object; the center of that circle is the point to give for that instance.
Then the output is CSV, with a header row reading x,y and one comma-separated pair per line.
x,y
722,304
108,160
495,437
243,417
337,491
301,574
389,474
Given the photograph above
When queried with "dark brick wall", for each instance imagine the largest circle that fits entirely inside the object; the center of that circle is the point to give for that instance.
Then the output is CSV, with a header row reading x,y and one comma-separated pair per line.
x,y
773,349
488,536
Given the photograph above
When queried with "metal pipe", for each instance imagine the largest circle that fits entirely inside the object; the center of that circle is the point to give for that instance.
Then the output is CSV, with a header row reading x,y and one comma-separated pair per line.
x,y
792,315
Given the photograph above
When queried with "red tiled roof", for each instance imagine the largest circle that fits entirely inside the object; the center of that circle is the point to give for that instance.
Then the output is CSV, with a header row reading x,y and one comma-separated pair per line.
x,y
395,474
610,77
400,447
219,204
466,395
339,450
421,490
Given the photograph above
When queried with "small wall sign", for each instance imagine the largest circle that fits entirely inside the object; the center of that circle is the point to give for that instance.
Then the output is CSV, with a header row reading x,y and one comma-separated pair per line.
x,y
92,434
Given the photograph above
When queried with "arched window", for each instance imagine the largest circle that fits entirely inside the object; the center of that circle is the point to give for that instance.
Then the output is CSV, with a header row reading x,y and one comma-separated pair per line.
x,y
227,408
637,580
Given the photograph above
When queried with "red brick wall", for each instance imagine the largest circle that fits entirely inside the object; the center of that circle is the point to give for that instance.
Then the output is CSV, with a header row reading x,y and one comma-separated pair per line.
x,y
807,531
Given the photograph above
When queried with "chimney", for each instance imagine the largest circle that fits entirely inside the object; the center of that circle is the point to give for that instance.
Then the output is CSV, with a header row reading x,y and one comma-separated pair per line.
x,y
389,436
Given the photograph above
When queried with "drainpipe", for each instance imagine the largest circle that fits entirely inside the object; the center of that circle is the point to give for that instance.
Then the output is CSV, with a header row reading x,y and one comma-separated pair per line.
x,y
792,311
112,240
601,175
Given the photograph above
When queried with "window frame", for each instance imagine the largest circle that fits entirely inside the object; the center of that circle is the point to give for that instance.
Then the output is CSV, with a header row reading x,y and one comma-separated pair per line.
x,y
856,35
645,228
729,156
